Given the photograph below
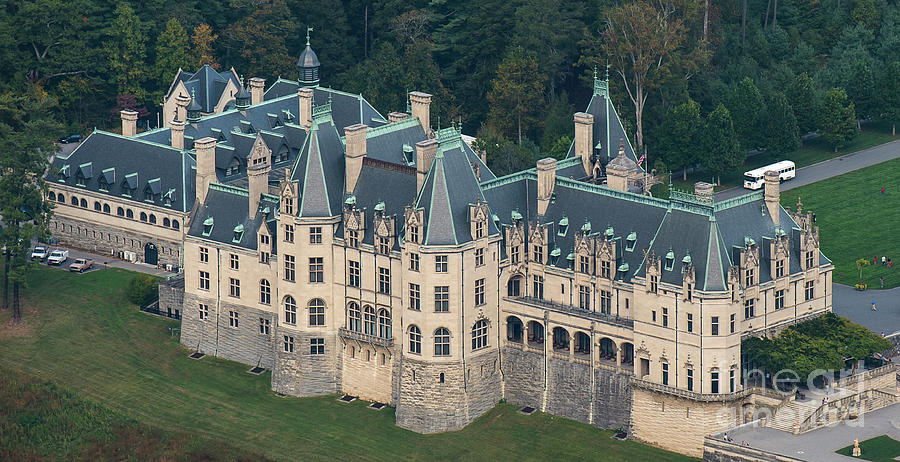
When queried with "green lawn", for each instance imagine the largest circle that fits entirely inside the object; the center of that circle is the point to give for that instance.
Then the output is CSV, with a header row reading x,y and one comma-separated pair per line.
x,y
80,332
856,221
813,151
879,449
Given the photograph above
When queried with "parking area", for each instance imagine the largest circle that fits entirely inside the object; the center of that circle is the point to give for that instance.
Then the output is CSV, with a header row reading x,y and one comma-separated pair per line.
x,y
105,261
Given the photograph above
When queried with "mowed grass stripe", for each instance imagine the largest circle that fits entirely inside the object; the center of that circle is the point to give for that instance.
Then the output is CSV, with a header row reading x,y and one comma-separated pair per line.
x,y
86,336
856,221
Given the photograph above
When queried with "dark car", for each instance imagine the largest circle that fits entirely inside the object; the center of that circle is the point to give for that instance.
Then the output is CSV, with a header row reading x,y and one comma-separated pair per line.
x,y
70,139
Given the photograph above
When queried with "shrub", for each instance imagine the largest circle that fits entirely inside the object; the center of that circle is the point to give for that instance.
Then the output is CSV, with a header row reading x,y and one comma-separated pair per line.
x,y
143,289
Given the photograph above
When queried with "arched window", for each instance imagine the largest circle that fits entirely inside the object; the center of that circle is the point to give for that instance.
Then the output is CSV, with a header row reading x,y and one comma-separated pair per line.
x,y
582,343
152,219
143,217
442,342
97,206
75,201
441,377
514,286
61,198
415,340
560,339
290,310
480,335
120,212
166,222
129,214
105,208
354,317
175,224
52,196
514,329
83,203
265,292
369,320
317,312
384,323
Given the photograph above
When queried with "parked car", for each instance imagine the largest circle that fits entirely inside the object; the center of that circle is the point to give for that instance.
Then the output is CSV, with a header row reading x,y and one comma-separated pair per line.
x,y
39,253
76,138
81,265
57,257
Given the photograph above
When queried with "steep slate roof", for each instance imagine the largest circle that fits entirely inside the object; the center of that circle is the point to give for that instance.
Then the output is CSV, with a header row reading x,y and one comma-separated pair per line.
x,y
320,172
347,109
141,162
371,190
608,129
207,85
227,208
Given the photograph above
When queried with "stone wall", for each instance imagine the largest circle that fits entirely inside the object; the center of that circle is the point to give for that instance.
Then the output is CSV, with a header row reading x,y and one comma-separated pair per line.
x,y
215,336
721,451
300,373
569,394
679,424
171,295
367,371
613,397
523,374
427,405
197,334
106,240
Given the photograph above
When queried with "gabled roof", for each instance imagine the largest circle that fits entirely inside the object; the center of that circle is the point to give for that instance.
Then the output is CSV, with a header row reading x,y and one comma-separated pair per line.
x,y
320,172
133,162
392,185
346,108
608,129
206,84
225,217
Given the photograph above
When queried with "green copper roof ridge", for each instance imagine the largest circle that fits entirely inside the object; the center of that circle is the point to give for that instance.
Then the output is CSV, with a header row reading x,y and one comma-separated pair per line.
x,y
229,189
409,122
608,192
507,179
132,138
652,241
713,241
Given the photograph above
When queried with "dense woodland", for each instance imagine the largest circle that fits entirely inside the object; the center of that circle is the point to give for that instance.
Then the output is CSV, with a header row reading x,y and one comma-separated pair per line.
x,y
697,82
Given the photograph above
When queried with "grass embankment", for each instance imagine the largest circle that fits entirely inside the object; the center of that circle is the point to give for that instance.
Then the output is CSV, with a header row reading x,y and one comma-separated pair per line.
x,y
813,151
79,331
879,449
856,221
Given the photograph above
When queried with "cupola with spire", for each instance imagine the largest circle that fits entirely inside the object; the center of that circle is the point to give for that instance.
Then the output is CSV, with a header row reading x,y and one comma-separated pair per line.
x,y
194,110
308,65
242,99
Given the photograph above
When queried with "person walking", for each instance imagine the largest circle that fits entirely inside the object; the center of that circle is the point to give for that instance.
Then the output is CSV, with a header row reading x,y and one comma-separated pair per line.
x,y
883,260
873,306
882,191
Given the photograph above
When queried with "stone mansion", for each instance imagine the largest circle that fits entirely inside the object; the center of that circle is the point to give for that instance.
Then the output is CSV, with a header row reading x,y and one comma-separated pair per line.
x,y
380,257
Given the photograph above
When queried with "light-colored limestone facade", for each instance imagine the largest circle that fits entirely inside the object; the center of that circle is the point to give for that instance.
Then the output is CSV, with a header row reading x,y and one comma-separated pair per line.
x,y
378,257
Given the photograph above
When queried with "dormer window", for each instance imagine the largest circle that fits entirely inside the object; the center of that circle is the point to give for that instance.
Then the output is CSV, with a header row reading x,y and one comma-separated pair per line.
x,y
479,229
630,242
283,154
234,167
779,268
207,226
79,179
104,185
654,284
414,234
670,261
749,277
563,227
148,194
238,234
384,245
353,238
288,205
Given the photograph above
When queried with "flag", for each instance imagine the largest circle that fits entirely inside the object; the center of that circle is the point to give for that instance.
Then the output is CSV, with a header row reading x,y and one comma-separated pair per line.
x,y
644,156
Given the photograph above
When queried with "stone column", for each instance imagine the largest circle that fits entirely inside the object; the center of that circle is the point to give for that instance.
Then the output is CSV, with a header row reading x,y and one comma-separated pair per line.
x,y
619,354
571,346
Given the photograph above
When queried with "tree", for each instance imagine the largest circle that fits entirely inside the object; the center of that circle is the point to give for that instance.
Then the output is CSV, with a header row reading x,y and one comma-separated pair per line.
x,y
517,94
503,156
259,38
28,130
748,111
548,29
172,53
126,52
801,96
861,90
640,37
889,94
782,134
680,136
722,149
202,41
838,118
859,265
865,13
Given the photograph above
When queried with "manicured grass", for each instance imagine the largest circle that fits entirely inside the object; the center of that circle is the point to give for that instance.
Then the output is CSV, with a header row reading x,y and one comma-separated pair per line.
x,y
813,151
856,221
879,449
80,332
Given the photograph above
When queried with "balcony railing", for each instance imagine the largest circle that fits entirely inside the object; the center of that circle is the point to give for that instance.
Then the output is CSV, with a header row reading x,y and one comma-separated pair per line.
x,y
707,397
359,336
569,309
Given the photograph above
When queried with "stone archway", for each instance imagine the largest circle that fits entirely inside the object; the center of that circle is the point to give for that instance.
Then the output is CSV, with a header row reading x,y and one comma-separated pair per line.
x,y
151,254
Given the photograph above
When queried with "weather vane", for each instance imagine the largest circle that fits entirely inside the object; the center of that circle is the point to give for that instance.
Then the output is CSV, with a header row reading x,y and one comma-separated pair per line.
x,y
308,30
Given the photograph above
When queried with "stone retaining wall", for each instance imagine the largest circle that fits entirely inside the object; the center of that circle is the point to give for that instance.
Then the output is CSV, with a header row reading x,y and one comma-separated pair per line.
x,y
106,240
722,451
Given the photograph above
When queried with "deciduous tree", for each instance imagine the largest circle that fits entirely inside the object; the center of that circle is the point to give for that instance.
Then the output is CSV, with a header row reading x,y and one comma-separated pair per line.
x,y
748,110
889,94
680,140
722,149
202,41
782,133
801,96
517,95
838,118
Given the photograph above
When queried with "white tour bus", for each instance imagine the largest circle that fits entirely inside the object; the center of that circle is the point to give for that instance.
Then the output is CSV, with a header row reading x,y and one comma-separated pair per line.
x,y
755,179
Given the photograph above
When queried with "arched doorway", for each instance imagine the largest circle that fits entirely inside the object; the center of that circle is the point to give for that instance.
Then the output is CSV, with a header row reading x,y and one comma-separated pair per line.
x,y
151,254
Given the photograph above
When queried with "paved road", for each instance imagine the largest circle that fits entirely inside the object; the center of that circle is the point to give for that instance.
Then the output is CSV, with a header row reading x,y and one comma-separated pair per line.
x,y
829,168
857,306
104,261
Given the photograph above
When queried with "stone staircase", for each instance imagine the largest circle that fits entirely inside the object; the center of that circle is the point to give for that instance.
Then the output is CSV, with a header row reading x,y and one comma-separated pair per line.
x,y
810,414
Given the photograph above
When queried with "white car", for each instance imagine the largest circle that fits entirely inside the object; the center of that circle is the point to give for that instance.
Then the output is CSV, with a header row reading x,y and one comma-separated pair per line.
x,y
39,253
57,257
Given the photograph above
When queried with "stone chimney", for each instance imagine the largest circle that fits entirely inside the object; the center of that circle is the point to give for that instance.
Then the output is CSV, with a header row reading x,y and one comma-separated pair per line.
x,y
397,116
704,191
205,148
584,140
773,195
177,133
257,86
258,183
181,104
425,151
546,180
355,136
306,101
421,108
129,122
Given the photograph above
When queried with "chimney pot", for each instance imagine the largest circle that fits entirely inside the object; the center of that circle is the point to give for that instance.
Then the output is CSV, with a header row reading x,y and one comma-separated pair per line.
x,y
584,140
257,86
420,104
425,152
129,122
355,152
205,149
306,100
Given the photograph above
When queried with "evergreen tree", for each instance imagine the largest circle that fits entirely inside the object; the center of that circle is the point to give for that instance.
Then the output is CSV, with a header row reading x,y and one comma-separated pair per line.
x,y
680,137
172,53
801,96
748,110
889,94
861,90
517,94
782,135
126,51
259,37
838,118
722,148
